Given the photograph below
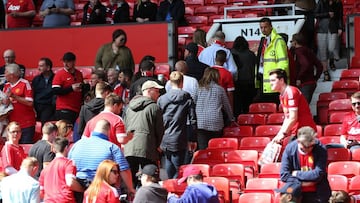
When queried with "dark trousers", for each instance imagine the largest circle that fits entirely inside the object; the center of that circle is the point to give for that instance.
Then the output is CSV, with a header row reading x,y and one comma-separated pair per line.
x,y
243,97
204,136
27,135
45,112
134,163
308,91
79,196
65,114
311,197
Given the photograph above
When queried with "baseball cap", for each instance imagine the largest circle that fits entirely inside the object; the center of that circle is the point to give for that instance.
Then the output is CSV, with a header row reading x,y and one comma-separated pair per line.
x,y
69,56
151,170
150,84
192,47
292,188
189,171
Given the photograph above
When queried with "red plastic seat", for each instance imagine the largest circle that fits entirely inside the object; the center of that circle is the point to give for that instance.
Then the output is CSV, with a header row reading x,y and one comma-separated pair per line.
x,y
163,69
189,30
222,185
337,117
355,62
355,155
193,2
209,156
338,182
270,170
255,143
354,185
332,130
262,185
275,118
222,143
211,2
171,185
197,20
204,168
219,16
86,71
233,172
319,131
346,168
347,86
322,105
267,130
350,74
256,198
238,131
189,11
30,73
249,158
206,10
329,139
263,108
252,119
340,105
338,154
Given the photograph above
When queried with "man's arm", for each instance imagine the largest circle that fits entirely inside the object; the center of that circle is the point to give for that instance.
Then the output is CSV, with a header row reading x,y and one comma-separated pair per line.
x,y
127,178
287,125
73,183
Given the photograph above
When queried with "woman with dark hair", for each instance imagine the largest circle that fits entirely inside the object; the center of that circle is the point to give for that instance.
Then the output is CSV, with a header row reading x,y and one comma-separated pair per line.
x,y
115,54
94,13
144,11
199,38
244,86
212,105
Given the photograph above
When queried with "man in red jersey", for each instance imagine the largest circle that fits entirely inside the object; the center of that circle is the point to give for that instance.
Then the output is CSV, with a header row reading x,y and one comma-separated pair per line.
x,y
68,87
350,136
20,94
295,107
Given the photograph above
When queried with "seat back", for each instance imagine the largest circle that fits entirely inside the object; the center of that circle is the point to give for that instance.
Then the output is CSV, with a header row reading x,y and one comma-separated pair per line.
x,y
340,105
355,154
346,168
233,172
222,185
347,86
270,170
252,119
275,118
172,185
238,131
329,139
249,158
267,130
224,142
350,74
256,197
209,156
204,168
337,117
354,185
338,154
255,143
333,130
338,182
263,108
262,185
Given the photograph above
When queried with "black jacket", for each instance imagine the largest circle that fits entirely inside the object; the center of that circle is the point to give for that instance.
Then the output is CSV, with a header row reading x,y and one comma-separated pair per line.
x,y
42,90
88,111
195,67
176,10
95,18
146,10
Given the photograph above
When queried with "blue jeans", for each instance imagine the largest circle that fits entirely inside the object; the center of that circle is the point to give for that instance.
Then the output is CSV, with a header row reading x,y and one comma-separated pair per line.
x,y
173,160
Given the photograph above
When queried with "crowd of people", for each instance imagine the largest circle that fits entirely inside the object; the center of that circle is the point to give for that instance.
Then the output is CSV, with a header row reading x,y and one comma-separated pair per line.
x,y
133,119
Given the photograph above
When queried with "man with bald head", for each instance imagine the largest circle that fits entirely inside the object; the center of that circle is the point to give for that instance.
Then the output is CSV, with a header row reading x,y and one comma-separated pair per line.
x,y
9,57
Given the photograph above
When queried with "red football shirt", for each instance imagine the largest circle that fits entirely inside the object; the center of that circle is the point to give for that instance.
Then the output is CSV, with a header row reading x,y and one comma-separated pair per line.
x,y
22,114
351,127
106,194
73,100
225,80
19,6
292,98
12,155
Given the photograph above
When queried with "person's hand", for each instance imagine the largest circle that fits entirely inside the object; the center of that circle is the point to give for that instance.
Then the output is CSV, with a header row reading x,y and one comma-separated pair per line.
x,y
339,32
298,83
55,10
15,14
278,138
170,194
294,173
76,87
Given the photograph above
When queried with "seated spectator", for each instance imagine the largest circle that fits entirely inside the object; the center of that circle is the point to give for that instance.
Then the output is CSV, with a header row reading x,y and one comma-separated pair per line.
x,y
339,196
172,10
57,13
115,54
102,187
117,12
94,13
19,13
42,150
12,154
197,190
144,11
290,192
20,94
21,186
150,189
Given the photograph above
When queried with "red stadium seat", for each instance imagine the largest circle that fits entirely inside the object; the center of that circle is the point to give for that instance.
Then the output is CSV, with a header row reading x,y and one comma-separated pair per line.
x,y
238,131
350,74
354,185
355,62
193,2
219,16
222,185
189,30
256,198
322,105
266,185
211,2
267,130
86,72
332,129
206,10
347,86
249,158
197,20
252,119
233,172
30,73
209,156
338,154
163,69
319,131
255,143
338,182
204,168
263,108
329,139
270,170
223,143
346,168
275,118
171,185
355,154
342,105
189,11
337,117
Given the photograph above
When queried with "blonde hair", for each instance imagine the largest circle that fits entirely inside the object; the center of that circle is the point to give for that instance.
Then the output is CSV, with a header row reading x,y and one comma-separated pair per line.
x,y
176,77
102,174
64,127
12,123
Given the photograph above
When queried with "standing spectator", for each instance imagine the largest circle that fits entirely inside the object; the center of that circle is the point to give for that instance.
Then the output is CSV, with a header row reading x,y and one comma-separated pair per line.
x,y
115,54
272,54
96,76
212,104
304,162
9,58
306,61
196,68
94,13
351,126
42,149
246,62
144,117
44,99
94,106
328,14
57,180
172,10
225,80
20,94
196,190
101,189
87,162
177,106
144,11
118,11
295,107
12,153
19,14
150,189
290,192
113,107
22,187
199,38
208,55
57,12
67,86
113,77
123,88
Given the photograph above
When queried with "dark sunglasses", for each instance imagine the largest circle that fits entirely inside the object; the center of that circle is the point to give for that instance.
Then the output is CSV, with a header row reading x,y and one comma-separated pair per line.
x,y
354,103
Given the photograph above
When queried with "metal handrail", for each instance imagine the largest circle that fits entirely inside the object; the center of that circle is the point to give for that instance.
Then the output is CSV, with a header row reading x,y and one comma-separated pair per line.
x,y
259,6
